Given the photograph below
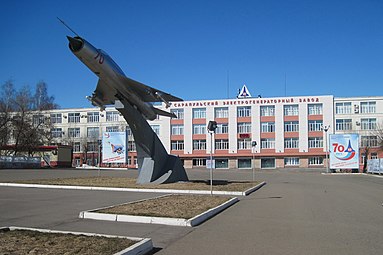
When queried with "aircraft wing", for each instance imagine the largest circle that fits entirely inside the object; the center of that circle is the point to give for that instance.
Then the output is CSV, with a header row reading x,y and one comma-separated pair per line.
x,y
147,93
104,94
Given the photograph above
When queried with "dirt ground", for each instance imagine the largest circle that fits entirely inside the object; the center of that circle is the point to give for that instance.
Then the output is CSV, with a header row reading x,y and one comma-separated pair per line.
x,y
121,182
34,242
173,206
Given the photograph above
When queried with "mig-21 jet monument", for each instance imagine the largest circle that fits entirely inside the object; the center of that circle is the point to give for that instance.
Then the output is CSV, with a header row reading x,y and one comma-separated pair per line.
x,y
133,100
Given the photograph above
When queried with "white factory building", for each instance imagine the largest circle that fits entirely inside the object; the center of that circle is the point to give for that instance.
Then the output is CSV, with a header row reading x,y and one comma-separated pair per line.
x,y
288,131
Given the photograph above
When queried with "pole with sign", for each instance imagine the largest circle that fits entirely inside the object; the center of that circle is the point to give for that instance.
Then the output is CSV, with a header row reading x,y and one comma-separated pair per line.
x,y
211,127
253,145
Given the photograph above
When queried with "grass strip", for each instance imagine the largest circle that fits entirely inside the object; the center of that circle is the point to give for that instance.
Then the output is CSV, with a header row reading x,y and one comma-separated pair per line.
x,y
34,242
121,182
171,206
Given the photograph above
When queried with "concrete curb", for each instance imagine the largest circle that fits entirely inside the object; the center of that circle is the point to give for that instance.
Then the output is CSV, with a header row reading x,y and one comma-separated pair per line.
x,y
365,174
92,214
255,188
168,191
143,245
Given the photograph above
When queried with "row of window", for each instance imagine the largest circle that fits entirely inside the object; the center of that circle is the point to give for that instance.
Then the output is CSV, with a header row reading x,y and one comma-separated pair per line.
x,y
267,143
245,111
92,117
94,132
363,107
243,163
245,144
269,127
346,124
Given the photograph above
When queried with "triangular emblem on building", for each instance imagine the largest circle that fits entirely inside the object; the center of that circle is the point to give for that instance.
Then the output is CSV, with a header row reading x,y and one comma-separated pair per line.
x,y
244,92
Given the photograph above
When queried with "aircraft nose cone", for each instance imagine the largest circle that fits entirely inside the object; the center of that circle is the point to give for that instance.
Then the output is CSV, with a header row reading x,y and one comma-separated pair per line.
x,y
75,44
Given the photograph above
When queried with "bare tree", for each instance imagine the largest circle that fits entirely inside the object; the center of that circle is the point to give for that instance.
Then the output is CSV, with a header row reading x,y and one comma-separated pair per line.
x,y
7,106
23,124
41,100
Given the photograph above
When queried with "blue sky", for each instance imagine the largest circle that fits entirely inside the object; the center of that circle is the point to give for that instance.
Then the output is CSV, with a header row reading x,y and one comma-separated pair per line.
x,y
195,49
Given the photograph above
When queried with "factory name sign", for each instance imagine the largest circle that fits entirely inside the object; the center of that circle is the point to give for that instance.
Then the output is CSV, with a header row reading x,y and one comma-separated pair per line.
x,y
248,101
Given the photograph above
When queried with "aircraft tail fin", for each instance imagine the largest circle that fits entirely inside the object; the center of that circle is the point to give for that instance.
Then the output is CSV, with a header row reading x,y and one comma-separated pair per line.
x,y
164,113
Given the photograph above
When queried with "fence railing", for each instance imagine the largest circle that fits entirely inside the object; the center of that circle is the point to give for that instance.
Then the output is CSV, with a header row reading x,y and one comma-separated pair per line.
x,y
375,166
20,162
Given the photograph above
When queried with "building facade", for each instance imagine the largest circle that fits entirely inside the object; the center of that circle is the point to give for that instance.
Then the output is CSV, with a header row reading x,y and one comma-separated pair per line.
x,y
261,132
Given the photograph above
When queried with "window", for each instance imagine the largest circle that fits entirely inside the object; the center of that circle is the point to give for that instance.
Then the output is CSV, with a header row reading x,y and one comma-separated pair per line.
x,y
267,143
267,127
179,113
368,124
199,145
315,109
268,110
374,155
73,117
369,141
291,143
132,146
244,144
38,119
244,111
199,162
221,112
291,126
156,129
112,129
112,116
76,147
73,132
368,107
292,161
177,145
244,128
199,113
222,128
199,129
267,162
56,118
343,124
315,142
315,161
244,163
92,146
315,125
343,108
92,132
221,144
56,132
177,129
93,117
291,110
221,163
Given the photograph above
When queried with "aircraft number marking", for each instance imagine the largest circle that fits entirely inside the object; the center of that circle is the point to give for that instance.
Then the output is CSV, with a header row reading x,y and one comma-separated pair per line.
x,y
100,57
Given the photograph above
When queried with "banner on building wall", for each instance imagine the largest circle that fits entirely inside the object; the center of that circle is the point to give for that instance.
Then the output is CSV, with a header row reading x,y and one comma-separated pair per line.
x,y
344,151
114,147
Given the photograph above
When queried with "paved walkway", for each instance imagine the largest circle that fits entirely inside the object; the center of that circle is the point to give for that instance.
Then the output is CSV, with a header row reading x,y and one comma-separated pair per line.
x,y
295,213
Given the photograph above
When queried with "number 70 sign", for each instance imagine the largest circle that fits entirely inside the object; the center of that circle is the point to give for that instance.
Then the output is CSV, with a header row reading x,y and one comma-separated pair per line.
x,y
344,151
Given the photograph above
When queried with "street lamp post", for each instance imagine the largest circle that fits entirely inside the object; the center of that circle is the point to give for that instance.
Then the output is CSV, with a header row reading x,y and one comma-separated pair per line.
x,y
253,145
325,129
211,127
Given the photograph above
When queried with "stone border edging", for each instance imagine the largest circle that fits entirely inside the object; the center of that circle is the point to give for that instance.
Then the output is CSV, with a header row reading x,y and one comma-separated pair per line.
x,y
157,220
365,174
172,191
143,246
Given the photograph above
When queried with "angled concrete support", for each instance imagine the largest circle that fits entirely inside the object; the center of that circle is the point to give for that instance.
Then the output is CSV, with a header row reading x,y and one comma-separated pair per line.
x,y
155,165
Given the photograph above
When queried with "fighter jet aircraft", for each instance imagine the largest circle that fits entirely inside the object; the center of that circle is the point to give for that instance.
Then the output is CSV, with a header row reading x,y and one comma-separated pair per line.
x,y
114,85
